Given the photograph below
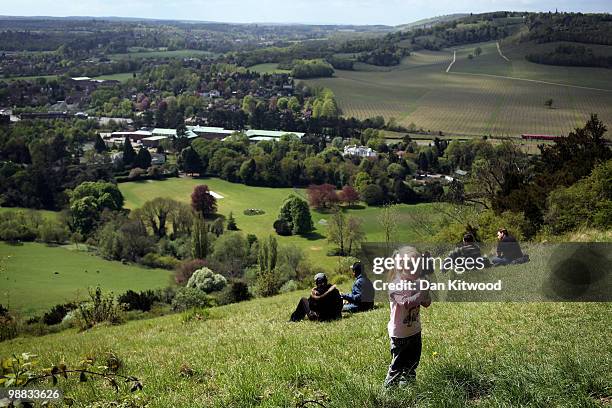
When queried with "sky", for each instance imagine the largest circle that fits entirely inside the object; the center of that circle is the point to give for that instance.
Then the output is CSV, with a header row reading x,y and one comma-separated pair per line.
x,y
389,12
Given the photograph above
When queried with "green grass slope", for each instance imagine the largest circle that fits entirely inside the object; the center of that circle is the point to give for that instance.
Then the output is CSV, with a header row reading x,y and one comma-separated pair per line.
x,y
247,355
30,285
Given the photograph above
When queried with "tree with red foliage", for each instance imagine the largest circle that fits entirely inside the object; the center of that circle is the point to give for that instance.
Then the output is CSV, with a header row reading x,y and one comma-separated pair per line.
x,y
202,201
348,195
322,196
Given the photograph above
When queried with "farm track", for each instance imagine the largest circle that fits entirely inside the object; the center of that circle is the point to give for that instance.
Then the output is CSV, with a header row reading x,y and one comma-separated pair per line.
x,y
500,52
452,62
537,81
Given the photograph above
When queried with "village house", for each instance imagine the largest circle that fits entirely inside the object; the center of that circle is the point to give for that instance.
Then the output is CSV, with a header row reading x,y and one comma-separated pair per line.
x,y
359,151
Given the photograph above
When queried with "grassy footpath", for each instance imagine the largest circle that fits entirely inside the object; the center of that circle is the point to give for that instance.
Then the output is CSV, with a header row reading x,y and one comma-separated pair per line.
x,y
247,354
31,285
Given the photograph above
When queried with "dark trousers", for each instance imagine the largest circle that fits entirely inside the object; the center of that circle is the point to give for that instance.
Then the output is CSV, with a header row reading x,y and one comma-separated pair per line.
x,y
500,261
301,311
405,357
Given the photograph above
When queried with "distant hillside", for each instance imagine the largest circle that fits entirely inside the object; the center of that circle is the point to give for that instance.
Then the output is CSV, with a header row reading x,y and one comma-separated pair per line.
x,y
566,39
428,22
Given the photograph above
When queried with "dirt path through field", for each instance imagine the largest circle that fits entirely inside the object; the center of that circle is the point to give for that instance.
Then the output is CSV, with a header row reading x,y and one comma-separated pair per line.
x,y
500,53
452,62
532,80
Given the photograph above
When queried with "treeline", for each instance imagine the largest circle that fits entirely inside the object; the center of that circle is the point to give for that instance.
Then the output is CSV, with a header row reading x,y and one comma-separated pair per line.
x,y
13,65
385,57
38,163
574,27
571,55
303,69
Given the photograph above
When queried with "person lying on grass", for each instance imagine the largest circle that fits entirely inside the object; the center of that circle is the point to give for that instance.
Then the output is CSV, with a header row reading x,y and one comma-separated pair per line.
x,y
361,297
404,325
323,304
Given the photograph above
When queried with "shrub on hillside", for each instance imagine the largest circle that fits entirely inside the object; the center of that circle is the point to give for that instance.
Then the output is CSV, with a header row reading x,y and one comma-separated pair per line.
x,y
268,283
488,223
235,292
189,298
206,280
9,327
19,226
586,203
100,308
138,301
155,260
57,313
289,286
186,268
51,231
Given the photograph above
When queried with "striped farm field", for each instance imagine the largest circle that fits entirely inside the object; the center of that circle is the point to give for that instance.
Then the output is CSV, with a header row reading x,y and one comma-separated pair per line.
x,y
485,95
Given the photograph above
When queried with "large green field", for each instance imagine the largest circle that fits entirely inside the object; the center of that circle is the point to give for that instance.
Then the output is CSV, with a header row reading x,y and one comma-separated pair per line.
x,y
484,95
35,276
248,355
271,68
122,77
29,78
239,197
163,54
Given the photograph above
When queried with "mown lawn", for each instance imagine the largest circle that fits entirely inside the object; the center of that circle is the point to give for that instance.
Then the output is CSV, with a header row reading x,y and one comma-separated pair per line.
x,y
269,68
239,197
35,277
122,77
247,355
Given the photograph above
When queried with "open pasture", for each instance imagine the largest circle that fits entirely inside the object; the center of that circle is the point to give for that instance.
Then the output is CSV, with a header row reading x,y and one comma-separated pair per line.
x,y
35,276
268,68
239,197
486,95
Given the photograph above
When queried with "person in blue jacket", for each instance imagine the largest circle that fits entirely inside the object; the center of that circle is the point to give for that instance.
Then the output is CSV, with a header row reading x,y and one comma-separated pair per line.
x,y
361,297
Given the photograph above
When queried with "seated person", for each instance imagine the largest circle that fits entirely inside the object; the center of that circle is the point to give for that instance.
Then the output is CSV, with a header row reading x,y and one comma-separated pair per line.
x,y
467,249
323,304
508,249
361,297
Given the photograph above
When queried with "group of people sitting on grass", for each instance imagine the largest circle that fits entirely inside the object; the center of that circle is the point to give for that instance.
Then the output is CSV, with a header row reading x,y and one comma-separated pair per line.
x,y
327,303
508,250
404,327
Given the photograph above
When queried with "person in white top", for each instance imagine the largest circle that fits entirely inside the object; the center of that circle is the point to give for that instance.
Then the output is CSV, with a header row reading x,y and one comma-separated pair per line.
x,y
404,323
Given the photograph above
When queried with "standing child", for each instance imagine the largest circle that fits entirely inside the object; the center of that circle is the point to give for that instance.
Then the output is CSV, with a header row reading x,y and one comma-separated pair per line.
x,y
404,324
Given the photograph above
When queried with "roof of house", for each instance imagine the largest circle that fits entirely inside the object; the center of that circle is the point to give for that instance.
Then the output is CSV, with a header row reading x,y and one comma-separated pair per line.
x,y
134,132
163,131
271,133
210,129
153,138
172,132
